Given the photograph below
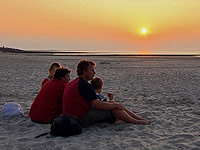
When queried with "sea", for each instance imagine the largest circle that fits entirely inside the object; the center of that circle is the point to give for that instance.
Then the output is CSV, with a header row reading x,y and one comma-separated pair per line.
x,y
195,53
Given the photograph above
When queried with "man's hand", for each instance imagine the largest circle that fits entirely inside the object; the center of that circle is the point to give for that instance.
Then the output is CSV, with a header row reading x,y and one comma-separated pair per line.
x,y
107,105
119,106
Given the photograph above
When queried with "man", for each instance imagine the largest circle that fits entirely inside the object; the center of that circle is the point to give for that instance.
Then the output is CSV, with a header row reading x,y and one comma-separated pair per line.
x,y
80,100
48,103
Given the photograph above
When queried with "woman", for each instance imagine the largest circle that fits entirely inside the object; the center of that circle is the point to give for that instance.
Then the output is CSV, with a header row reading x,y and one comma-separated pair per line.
x,y
48,103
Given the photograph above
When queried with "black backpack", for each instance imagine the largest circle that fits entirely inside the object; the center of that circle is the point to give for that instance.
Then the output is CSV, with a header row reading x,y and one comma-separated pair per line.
x,y
65,126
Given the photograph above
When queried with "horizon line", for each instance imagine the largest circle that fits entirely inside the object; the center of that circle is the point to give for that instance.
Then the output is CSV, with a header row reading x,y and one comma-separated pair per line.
x,y
84,52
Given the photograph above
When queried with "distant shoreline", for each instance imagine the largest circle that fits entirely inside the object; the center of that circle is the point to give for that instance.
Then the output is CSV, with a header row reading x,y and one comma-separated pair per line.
x,y
79,53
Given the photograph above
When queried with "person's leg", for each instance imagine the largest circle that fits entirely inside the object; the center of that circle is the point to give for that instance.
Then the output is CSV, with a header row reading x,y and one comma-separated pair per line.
x,y
97,116
132,114
124,116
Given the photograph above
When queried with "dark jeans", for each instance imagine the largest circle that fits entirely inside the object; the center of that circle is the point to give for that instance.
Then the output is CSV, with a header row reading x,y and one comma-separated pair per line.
x,y
97,116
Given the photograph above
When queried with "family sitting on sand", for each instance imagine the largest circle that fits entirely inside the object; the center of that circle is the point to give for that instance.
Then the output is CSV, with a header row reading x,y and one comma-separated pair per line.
x,y
78,98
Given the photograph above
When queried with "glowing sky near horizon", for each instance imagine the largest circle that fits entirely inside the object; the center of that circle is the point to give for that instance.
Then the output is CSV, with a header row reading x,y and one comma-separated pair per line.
x,y
171,26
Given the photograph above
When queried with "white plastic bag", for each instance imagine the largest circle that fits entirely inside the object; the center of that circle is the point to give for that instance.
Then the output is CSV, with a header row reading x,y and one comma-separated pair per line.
x,y
11,109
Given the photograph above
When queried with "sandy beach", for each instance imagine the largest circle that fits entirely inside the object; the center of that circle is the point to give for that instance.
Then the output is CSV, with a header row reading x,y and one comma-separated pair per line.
x,y
165,90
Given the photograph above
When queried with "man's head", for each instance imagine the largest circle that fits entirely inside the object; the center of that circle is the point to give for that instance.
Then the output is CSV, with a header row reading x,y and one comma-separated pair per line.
x,y
62,74
85,69
97,84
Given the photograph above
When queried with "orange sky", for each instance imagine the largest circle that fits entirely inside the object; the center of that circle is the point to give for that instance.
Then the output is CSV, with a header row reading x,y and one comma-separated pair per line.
x,y
172,26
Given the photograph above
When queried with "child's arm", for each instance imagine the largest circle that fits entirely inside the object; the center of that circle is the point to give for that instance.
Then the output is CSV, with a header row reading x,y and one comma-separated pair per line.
x,y
110,95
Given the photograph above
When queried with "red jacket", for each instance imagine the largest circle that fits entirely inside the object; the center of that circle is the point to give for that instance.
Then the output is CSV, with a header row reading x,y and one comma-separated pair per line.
x,y
73,103
48,102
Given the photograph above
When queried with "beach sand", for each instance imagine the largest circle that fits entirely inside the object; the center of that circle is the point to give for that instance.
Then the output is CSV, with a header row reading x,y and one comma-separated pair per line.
x,y
165,90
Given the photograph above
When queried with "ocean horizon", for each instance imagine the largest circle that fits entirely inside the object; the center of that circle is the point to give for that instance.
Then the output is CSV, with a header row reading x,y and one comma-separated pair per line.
x,y
72,52
116,52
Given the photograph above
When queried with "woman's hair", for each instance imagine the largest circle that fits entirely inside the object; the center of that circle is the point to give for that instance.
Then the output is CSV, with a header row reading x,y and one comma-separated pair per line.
x,y
61,72
83,65
97,83
54,65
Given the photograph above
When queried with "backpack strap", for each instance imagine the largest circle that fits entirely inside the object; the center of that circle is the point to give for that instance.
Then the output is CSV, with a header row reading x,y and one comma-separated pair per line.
x,y
43,134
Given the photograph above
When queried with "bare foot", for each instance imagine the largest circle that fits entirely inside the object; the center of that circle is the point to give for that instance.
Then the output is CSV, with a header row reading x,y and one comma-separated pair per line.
x,y
144,122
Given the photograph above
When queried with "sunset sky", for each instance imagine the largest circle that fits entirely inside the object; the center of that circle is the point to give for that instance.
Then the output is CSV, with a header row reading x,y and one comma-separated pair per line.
x,y
145,26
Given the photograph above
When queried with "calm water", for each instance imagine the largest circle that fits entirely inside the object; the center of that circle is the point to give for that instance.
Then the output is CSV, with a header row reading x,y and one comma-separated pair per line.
x,y
115,53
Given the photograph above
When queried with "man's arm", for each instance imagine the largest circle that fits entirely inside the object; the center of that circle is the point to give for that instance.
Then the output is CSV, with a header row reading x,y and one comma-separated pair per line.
x,y
106,105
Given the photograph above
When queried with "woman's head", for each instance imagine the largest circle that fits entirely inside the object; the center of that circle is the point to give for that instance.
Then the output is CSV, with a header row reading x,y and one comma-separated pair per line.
x,y
62,74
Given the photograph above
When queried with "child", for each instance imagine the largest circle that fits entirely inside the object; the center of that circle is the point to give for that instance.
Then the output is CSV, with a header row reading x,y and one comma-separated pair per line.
x,y
52,70
97,84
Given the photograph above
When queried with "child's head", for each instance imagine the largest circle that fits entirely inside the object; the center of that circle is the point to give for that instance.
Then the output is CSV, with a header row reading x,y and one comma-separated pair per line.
x,y
97,84
53,67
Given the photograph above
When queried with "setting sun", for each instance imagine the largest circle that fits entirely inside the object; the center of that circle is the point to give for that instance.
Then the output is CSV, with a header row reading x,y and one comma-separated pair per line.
x,y
167,27
144,31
